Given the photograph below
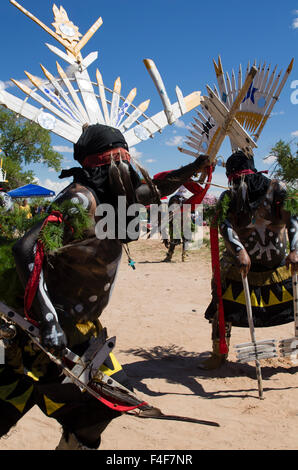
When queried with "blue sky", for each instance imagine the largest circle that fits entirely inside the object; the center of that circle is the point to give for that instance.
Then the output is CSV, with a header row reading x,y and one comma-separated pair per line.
x,y
182,38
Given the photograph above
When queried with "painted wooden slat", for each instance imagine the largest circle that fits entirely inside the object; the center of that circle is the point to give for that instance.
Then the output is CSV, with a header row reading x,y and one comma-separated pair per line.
x,y
68,58
32,113
102,95
62,93
220,112
159,120
89,98
28,91
73,93
92,57
188,152
158,82
56,100
91,31
115,102
180,98
125,106
134,115
275,98
221,82
43,26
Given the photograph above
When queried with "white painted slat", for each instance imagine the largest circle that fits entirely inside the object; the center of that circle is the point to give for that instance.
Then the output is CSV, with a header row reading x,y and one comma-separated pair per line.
x,y
73,93
188,152
63,94
62,55
125,106
193,145
32,113
89,59
89,98
56,100
159,120
134,115
180,98
46,104
115,102
195,135
102,95
158,82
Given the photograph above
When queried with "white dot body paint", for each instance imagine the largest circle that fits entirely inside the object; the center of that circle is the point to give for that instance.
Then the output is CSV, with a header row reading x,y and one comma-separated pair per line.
x,y
49,316
31,266
107,286
93,298
79,308
75,200
84,200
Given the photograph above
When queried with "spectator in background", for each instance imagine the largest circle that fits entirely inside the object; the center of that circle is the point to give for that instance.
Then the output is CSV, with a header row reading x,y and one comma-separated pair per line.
x,y
26,208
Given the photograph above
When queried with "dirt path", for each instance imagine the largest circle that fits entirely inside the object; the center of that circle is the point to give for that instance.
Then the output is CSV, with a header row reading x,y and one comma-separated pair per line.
x,y
157,314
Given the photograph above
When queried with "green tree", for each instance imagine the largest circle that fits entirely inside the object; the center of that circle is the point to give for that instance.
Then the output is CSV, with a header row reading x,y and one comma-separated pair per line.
x,y
286,165
24,142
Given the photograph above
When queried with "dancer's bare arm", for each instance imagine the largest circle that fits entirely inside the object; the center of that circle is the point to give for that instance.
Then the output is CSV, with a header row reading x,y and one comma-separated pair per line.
x,y
173,180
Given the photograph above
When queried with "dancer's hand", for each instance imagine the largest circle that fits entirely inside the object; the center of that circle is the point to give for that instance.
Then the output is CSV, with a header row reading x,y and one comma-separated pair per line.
x,y
292,261
244,262
53,338
203,161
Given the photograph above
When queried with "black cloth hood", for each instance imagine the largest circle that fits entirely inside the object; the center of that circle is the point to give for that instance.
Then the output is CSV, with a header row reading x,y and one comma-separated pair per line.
x,y
238,161
257,184
97,139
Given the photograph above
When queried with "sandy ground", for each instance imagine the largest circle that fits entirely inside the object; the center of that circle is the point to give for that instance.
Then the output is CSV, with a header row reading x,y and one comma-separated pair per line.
x,y
157,314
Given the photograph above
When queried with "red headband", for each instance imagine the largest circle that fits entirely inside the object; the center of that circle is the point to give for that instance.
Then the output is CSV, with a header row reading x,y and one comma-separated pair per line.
x,y
100,159
238,174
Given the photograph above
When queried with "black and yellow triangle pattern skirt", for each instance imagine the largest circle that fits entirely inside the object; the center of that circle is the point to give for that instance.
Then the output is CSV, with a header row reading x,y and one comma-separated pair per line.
x,y
271,297
29,378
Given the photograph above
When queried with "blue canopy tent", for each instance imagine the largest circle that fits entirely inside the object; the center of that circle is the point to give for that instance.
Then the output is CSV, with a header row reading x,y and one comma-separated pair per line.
x,y
31,190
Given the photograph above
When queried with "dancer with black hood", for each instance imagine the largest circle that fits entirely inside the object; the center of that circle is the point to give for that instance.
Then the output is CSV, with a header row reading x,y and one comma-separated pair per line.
x,y
74,286
255,230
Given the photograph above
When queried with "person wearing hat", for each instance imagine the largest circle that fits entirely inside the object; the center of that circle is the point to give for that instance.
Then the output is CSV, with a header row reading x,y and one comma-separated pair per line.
x,y
67,290
256,229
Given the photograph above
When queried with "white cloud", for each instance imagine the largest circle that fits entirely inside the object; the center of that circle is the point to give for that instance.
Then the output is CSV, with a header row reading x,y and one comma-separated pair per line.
x,y
294,134
63,148
295,23
179,123
135,153
150,160
4,85
55,185
278,113
23,81
176,140
269,159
